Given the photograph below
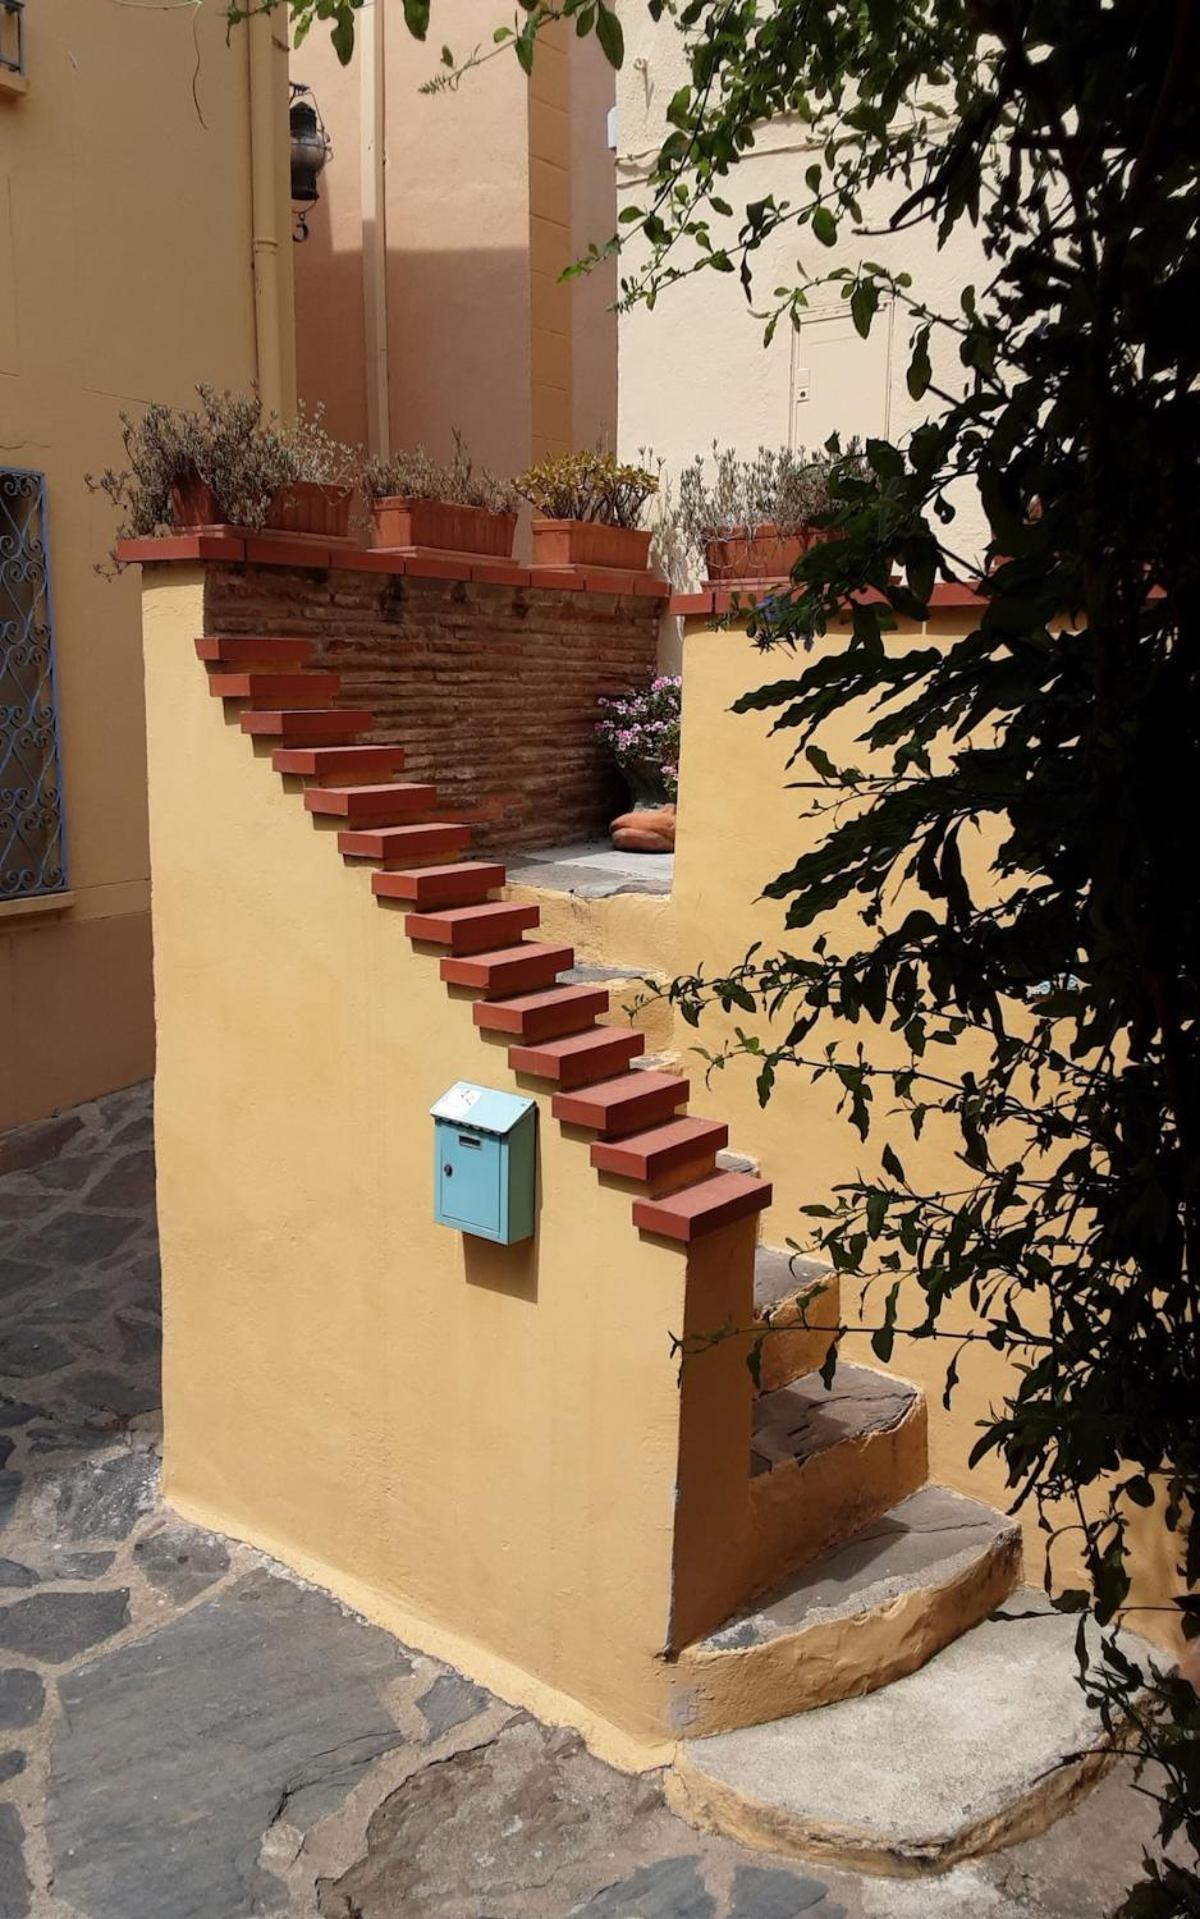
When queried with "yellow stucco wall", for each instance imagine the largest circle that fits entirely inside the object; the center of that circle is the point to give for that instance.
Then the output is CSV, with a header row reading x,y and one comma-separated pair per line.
x,y
740,826
485,1448
125,232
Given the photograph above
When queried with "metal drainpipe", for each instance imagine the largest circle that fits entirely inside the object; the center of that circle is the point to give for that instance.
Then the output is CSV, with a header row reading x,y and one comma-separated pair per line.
x,y
265,138
373,163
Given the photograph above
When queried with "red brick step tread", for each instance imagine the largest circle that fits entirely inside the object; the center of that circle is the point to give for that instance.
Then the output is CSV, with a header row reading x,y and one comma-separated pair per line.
x,y
581,1058
242,650
700,1209
299,689
472,929
466,884
625,1105
649,1155
338,762
509,969
371,805
546,1015
330,726
400,845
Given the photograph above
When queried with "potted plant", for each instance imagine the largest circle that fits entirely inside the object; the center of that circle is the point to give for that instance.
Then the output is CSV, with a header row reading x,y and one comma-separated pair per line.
x,y
224,464
640,730
754,520
418,501
316,499
588,507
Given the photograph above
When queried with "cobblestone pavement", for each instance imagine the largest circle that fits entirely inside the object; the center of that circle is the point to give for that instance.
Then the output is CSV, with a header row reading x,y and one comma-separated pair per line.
x,y
187,1732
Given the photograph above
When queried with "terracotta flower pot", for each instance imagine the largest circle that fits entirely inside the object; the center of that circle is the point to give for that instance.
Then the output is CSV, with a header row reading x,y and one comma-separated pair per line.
x,y
590,543
450,528
765,554
193,503
311,507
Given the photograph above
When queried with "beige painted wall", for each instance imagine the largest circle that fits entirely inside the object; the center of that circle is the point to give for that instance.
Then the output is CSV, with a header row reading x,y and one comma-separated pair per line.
x,y
488,193
124,276
695,368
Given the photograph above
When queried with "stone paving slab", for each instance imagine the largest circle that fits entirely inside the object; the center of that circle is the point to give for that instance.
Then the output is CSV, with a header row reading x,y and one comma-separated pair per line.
x,y
188,1732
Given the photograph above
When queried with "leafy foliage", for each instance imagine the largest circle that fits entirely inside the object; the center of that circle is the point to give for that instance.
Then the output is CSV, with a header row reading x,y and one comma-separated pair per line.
x,y
228,444
588,486
776,487
412,473
641,731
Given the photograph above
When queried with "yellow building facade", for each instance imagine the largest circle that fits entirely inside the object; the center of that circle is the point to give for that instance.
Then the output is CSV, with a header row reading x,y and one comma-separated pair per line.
x,y
144,246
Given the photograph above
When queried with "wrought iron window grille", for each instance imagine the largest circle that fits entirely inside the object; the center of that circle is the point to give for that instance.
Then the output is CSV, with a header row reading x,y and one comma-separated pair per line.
x,y
12,36
32,854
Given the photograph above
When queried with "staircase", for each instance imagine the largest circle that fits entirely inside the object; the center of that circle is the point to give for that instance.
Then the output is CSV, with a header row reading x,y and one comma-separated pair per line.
x,y
851,1570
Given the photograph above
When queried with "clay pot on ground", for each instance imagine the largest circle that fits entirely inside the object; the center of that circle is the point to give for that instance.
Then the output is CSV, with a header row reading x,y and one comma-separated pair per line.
x,y
590,543
313,508
765,554
646,830
401,522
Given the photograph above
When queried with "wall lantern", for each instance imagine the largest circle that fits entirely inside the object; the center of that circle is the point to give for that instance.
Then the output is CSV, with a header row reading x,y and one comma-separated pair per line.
x,y
310,149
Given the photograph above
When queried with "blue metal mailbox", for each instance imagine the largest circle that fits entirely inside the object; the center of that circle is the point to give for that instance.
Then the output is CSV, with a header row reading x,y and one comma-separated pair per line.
x,y
484,1162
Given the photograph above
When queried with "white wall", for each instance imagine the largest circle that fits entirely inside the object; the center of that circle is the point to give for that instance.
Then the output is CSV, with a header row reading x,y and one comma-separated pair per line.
x,y
695,367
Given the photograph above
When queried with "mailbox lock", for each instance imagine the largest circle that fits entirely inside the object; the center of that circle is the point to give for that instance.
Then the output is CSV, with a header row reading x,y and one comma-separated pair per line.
x,y
448,1170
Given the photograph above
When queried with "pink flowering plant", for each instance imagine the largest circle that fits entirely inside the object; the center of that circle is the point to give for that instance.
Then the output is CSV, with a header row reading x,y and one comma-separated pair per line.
x,y
641,731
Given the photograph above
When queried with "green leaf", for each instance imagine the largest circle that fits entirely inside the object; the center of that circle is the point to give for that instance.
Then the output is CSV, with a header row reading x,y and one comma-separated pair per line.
x,y
864,304
919,370
610,36
824,226
342,37
416,17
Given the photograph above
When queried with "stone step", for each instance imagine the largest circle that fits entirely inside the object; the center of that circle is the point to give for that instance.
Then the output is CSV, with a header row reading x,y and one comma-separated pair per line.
x,y
791,1289
298,689
385,805
580,1058
629,1104
548,1015
262,651
865,1613
395,846
987,1744
467,884
329,726
359,763
696,1210
472,929
826,1462
510,969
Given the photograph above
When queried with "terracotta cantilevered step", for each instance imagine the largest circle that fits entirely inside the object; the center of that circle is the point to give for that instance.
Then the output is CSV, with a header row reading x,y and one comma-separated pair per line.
x,y
371,805
700,1209
548,1015
241,650
648,1156
298,689
472,929
579,1059
467,884
625,1105
326,726
368,764
510,969
871,1609
395,846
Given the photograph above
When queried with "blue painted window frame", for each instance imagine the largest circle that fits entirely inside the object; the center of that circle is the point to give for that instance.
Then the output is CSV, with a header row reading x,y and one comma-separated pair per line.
x,y
33,859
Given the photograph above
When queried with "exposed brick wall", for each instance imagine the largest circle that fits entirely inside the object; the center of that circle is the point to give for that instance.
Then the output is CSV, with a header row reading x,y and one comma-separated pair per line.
x,y
491,690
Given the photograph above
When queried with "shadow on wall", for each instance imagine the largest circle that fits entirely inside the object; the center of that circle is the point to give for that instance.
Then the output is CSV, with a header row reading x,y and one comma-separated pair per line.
x,y
459,344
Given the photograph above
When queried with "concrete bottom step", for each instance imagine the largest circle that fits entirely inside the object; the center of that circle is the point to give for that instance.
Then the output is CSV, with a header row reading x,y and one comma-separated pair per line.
x,y
987,1744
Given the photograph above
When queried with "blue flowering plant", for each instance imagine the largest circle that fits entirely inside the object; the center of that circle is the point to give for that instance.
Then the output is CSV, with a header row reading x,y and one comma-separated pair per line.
x,y
640,729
